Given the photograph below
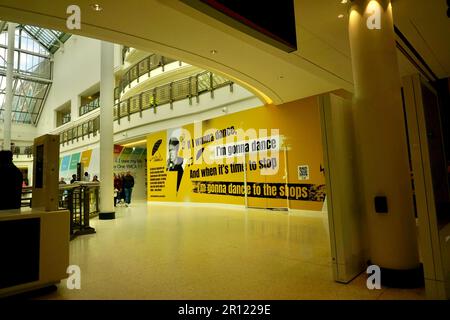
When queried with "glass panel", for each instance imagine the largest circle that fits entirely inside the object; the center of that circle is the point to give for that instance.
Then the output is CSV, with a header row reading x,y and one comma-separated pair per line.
x,y
203,82
180,89
162,95
50,39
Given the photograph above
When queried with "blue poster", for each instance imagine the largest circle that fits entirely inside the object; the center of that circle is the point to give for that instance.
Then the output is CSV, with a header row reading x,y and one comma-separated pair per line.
x,y
65,163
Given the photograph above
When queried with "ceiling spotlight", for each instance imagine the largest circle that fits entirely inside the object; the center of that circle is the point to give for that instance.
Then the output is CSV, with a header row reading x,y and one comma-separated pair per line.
x,y
344,1
213,51
96,7
340,16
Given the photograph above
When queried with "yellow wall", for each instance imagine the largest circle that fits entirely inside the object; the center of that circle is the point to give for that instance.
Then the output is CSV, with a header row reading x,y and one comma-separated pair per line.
x,y
299,131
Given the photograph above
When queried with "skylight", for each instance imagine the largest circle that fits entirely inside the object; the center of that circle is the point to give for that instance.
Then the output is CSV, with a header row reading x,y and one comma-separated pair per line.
x,y
32,70
50,39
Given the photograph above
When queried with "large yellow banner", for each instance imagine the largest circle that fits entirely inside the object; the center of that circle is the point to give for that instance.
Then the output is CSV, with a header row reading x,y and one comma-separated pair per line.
x,y
266,157
86,158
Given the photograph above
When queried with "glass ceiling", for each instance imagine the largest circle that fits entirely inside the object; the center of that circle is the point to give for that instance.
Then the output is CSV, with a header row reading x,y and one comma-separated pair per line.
x,y
50,39
32,78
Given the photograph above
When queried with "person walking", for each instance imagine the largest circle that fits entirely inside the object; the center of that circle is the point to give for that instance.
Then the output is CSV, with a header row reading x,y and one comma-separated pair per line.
x,y
117,188
122,190
128,184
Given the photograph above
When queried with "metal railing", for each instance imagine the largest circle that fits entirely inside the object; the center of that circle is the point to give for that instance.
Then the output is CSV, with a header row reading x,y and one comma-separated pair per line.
x,y
27,151
80,198
87,128
82,201
26,196
187,88
65,118
142,67
90,106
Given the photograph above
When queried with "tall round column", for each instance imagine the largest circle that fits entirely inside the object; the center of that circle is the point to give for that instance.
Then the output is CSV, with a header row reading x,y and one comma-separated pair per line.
x,y
106,131
382,144
7,113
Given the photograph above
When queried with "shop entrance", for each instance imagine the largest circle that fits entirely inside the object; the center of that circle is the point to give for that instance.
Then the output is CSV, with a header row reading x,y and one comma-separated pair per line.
x,y
132,157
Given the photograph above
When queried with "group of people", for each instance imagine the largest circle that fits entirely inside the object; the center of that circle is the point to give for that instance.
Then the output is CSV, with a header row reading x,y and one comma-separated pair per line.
x,y
123,187
85,178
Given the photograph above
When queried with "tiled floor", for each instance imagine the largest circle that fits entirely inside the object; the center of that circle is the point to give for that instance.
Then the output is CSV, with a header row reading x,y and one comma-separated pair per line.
x,y
175,252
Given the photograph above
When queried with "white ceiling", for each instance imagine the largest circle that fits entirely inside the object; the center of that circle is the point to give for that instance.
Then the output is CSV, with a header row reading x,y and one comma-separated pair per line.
x,y
322,62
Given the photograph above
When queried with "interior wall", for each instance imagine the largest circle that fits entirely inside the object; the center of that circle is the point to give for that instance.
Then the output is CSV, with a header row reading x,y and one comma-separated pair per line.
x,y
76,68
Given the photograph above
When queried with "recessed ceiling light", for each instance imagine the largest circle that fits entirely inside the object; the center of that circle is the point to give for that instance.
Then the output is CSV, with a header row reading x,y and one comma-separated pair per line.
x,y
213,51
340,16
344,1
96,7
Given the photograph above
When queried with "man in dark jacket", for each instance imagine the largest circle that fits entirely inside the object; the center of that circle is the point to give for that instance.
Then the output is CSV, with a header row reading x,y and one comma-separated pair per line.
x,y
128,184
11,186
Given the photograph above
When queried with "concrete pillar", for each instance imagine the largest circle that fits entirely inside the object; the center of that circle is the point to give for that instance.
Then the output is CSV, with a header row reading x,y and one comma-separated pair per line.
x,y
7,113
106,131
382,144
75,104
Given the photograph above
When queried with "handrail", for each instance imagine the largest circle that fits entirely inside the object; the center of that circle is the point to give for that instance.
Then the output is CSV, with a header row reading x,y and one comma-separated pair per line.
x,y
90,106
142,67
27,151
80,131
186,88
189,87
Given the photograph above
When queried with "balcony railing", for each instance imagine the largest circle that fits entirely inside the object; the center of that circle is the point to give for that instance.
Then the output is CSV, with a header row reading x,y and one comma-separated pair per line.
x,y
91,105
27,151
142,67
187,88
87,128
65,118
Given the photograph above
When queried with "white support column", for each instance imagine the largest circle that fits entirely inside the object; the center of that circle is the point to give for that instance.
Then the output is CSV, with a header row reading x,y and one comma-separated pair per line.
x,y
7,113
382,145
106,131
75,103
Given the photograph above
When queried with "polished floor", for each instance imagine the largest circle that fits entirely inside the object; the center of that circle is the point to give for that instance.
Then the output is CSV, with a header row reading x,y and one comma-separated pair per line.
x,y
176,252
